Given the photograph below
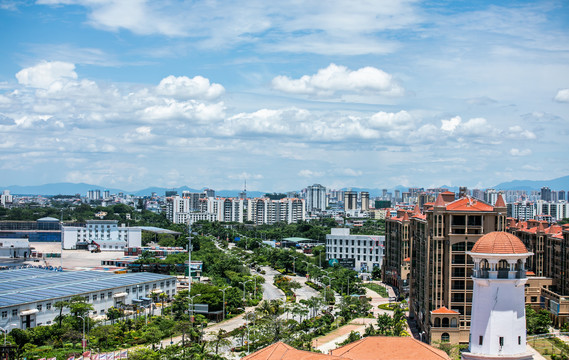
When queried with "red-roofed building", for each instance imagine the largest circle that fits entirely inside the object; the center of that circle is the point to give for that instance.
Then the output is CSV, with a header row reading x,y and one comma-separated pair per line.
x,y
368,348
438,277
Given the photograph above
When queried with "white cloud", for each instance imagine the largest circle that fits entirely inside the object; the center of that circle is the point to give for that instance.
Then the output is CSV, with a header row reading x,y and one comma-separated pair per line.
x,y
44,74
450,125
185,87
562,95
338,79
245,176
518,152
517,132
310,173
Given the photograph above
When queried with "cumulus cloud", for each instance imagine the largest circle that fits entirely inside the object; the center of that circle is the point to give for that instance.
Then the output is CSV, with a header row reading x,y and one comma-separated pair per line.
x,y
477,127
185,87
518,152
245,176
339,79
517,132
562,96
46,73
310,173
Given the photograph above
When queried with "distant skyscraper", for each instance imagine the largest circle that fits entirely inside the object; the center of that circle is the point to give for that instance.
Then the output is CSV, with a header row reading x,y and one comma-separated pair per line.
x,y
316,198
397,195
106,194
545,193
561,194
384,194
209,193
350,200
365,200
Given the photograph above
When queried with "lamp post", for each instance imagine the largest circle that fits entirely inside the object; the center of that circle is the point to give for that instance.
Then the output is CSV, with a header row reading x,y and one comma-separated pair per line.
x,y
5,331
294,264
244,282
192,305
223,290
84,341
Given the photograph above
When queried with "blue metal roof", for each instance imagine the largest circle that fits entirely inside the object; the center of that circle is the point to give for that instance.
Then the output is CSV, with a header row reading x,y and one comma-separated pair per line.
x,y
38,286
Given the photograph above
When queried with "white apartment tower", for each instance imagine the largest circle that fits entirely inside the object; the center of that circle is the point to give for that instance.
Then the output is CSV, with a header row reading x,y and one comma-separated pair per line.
x,y
267,211
316,198
498,322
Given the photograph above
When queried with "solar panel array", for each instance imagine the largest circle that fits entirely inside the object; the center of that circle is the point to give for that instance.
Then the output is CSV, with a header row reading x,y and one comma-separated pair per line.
x,y
32,285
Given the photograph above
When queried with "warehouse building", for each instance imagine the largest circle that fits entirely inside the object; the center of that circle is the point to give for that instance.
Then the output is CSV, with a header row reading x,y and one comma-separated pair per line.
x,y
28,296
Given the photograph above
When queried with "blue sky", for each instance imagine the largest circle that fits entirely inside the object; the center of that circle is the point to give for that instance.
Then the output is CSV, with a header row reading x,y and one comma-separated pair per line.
x,y
131,93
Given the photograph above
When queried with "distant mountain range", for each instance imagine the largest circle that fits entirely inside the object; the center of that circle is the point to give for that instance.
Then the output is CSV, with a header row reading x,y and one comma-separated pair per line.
x,y
561,183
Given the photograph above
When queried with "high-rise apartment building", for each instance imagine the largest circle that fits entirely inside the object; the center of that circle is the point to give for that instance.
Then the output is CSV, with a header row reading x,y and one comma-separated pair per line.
x,y
364,195
350,200
195,206
316,198
427,251
545,193
267,211
524,210
6,199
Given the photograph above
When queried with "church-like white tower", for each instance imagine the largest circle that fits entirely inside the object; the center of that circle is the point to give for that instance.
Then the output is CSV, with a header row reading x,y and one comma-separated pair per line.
x,y
498,321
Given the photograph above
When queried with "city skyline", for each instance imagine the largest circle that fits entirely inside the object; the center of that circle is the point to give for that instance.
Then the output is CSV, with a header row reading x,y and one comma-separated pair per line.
x,y
130,95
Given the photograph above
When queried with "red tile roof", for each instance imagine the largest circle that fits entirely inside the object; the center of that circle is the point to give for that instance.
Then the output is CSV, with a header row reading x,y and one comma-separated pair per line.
x,y
469,204
444,310
500,202
440,201
282,351
389,348
499,242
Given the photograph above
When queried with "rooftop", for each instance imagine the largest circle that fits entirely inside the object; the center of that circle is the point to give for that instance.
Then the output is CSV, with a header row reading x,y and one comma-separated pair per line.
x,y
499,242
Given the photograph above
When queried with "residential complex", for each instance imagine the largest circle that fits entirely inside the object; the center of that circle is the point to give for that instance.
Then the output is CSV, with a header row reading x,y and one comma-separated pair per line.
x,y
267,211
316,200
426,257
362,252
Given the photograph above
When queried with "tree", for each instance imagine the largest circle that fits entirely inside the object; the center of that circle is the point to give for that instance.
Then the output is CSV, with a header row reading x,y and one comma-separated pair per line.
x,y
60,305
399,322
537,322
384,324
220,339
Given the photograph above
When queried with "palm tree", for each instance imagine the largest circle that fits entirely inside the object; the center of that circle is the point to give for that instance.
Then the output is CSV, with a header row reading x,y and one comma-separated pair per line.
x,y
220,340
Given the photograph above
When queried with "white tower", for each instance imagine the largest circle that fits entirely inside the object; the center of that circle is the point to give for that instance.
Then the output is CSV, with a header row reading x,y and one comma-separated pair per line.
x,y
498,322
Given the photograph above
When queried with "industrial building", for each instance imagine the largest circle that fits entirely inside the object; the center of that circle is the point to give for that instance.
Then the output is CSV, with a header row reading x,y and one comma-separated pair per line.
x,y
106,233
28,296
46,229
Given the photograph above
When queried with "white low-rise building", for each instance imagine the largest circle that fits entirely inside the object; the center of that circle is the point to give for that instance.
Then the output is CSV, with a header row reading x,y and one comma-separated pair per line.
x,y
106,233
364,251
28,296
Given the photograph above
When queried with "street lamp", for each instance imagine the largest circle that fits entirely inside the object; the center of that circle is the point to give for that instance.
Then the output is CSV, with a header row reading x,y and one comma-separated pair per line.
x,y
192,305
244,282
294,264
5,331
84,341
224,301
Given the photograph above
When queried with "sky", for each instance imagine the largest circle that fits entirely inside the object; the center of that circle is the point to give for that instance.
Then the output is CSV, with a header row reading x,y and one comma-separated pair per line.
x,y
131,93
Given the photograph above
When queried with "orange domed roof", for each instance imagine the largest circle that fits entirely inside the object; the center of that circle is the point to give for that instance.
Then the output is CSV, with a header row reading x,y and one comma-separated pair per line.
x,y
499,242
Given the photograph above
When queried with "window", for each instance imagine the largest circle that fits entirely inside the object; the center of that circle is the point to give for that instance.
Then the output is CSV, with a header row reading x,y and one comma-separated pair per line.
x,y
39,307
102,296
87,298
445,337
501,341
168,283
146,287
480,340
48,306
127,290
94,297
110,294
14,312
519,340
162,284
4,314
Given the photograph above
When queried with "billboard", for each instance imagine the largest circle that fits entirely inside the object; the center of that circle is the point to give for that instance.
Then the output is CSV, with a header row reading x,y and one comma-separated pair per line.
x,y
347,263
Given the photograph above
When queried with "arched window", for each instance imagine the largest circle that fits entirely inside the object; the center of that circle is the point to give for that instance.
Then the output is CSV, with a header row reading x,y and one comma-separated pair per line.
x,y
445,322
445,337
453,322
437,322
503,269
484,268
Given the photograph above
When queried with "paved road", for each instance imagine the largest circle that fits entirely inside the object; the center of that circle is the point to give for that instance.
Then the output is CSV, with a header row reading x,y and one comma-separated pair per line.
x,y
270,291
